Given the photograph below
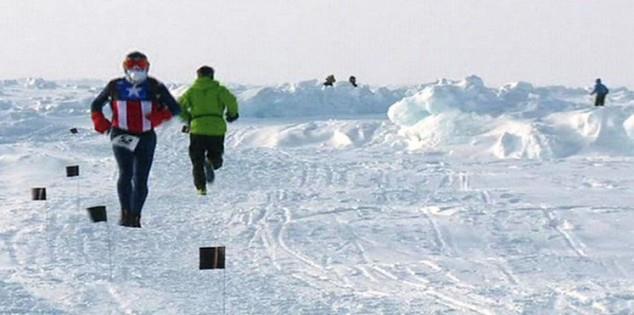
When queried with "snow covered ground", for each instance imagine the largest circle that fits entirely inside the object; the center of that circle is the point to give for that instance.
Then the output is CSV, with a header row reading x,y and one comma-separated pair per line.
x,y
445,198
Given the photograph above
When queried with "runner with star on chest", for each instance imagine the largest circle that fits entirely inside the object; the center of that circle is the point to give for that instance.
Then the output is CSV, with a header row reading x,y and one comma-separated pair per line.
x,y
139,104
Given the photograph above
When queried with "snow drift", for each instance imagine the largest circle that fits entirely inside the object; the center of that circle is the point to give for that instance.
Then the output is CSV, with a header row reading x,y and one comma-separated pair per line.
x,y
514,121
310,98
330,134
465,117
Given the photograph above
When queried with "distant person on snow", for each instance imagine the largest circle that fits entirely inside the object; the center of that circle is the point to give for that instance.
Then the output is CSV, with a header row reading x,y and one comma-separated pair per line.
x,y
601,91
330,80
139,104
205,106
353,80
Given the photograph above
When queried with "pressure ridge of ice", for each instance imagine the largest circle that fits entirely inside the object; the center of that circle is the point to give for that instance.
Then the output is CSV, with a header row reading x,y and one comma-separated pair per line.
x,y
453,117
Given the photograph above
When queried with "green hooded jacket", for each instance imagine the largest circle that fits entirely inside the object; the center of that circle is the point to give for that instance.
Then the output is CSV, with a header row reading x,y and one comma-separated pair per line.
x,y
203,107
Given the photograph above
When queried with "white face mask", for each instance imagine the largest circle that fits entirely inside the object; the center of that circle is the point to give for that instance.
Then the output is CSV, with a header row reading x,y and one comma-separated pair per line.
x,y
136,76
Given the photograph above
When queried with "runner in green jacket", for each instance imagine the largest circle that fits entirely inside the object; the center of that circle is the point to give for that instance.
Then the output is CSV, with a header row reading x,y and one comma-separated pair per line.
x,y
205,106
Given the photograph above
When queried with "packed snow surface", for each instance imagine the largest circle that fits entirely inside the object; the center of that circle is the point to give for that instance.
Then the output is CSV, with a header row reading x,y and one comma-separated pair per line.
x,y
445,198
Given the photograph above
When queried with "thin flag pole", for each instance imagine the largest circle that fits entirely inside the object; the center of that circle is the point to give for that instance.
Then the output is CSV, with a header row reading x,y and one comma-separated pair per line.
x,y
78,197
39,194
224,285
224,270
47,218
49,241
215,258
110,306
78,200
109,252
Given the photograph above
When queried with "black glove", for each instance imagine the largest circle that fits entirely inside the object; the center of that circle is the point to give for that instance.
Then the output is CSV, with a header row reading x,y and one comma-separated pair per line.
x,y
185,129
232,118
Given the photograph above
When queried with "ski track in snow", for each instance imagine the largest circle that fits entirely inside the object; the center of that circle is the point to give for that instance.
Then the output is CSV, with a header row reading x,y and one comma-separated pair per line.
x,y
555,223
312,230
271,221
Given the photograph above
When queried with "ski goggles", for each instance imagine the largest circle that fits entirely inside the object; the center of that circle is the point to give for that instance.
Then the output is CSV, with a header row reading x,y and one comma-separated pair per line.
x,y
142,64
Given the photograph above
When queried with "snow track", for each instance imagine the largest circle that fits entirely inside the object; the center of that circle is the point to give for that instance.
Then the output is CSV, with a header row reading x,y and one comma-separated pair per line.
x,y
314,230
561,226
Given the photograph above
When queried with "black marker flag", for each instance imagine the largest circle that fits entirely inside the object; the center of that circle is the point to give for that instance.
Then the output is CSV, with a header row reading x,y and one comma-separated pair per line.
x,y
212,258
38,193
72,171
98,214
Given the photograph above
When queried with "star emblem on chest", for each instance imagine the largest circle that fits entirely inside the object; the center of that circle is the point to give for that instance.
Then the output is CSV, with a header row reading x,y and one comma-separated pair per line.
x,y
134,91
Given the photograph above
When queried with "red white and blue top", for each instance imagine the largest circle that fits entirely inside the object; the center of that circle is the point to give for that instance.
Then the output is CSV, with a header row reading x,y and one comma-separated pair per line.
x,y
131,104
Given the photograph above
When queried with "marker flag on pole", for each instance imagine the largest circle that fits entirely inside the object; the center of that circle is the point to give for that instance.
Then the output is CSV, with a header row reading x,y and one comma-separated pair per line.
x,y
72,171
38,193
98,214
212,258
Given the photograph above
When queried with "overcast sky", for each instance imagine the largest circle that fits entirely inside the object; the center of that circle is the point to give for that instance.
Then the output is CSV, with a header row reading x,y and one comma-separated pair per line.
x,y
569,42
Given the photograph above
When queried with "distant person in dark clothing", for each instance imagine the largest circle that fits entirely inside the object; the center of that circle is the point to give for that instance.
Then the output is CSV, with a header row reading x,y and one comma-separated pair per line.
x,y
601,91
330,80
353,80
